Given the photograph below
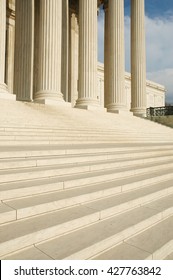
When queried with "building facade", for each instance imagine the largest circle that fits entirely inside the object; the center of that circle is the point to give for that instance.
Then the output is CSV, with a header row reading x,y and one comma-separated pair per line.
x,y
48,54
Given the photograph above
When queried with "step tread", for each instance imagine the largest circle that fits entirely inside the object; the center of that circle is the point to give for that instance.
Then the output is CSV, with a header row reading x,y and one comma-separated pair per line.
x,y
46,185
17,229
58,200
57,248
83,170
27,231
35,166
92,236
28,254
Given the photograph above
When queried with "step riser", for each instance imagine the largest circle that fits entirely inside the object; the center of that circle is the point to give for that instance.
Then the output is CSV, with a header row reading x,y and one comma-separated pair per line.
x,y
84,141
79,151
111,177
80,137
76,160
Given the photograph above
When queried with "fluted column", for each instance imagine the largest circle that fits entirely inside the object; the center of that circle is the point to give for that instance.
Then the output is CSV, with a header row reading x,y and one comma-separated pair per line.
x,y
65,49
24,50
87,54
138,58
116,99
3,87
49,52
73,58
106,54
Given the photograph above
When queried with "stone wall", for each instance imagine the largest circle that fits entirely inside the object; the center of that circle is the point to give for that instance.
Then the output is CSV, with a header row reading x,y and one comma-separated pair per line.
x,y
155,92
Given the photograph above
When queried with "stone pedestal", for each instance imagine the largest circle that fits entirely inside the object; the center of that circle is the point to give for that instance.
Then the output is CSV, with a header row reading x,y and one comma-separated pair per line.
x,y
138,58
48,87
87,55
114,54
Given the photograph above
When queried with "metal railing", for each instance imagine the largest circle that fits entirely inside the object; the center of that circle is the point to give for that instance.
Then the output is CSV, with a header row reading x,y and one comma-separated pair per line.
x,y
159,111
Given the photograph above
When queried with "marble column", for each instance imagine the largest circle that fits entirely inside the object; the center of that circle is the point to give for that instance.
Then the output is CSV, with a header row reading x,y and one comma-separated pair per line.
x,y
24,50
87,55
65,49
106,54
3,86
115,70
138,58
73,57
48,87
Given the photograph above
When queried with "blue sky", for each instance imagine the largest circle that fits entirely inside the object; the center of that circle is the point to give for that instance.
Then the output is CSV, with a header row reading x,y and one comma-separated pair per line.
x,y
159,42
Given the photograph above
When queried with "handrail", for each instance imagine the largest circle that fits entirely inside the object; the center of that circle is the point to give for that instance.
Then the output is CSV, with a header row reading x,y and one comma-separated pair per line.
x,y
159,111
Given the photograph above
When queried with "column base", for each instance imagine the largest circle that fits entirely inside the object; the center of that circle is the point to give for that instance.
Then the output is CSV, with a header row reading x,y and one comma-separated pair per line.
x,y
121,112
117,109
4,94
141,113
89,104
91,108
47,97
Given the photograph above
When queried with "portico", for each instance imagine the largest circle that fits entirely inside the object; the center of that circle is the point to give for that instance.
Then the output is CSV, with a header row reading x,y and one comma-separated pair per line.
x,y
55,58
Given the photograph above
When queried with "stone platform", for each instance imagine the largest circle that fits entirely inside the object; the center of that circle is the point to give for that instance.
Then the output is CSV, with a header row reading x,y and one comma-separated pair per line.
x,y
80,184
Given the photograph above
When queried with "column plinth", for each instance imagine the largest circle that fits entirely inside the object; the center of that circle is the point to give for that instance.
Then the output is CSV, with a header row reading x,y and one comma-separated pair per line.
x,y
48,84
138,58
87,98
114,55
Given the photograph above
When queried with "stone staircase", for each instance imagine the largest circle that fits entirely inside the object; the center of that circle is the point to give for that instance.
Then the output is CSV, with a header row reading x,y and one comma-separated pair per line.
x,y
84,185
164,120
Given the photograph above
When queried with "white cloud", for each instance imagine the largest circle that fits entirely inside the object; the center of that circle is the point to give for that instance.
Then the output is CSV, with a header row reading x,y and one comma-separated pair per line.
x,y
159,49
101,36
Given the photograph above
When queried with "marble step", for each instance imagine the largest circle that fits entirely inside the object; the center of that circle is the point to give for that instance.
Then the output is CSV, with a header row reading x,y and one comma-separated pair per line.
x,y
83,243
169,257
19,234
86,235
124,139
118,202
33,161
63,134
52,150
155,243
105,187
107,233
72,176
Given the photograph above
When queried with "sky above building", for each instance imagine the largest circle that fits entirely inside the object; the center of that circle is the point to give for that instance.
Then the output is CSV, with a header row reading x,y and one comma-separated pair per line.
x,y
159,41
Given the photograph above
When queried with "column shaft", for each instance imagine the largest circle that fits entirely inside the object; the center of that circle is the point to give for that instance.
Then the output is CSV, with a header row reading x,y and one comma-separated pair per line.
x,y
24,50
49,52
115,70
73,58
87,54
3,87
106,56
138,58
65,49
